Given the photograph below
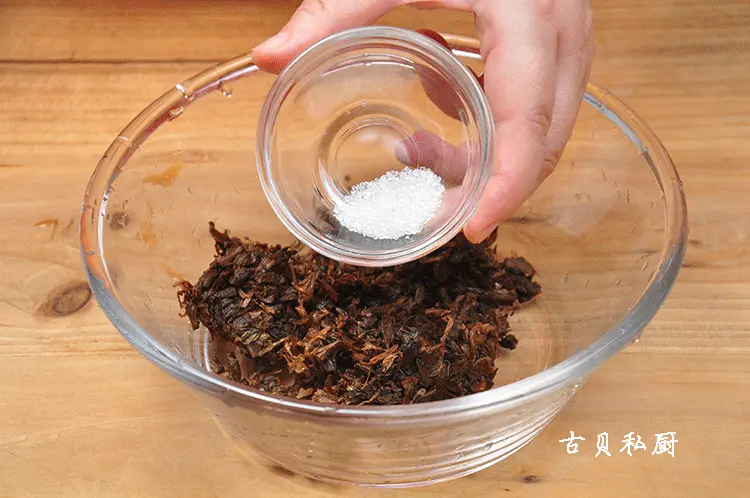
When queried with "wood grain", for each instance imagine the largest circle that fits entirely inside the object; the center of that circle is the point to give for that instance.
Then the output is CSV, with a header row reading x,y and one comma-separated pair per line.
x,y
84,414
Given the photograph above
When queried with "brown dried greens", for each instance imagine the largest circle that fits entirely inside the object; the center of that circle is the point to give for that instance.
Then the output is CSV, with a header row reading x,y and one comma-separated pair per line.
x,y
295,323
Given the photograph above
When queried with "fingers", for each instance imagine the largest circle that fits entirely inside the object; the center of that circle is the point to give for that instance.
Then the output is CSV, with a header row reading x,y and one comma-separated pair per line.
x,y
437,89
575,53
430,151
451,199
519,46
313,21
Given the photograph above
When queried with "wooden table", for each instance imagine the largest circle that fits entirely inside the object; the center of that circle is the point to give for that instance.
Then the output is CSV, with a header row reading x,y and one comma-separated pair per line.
x,y
83,414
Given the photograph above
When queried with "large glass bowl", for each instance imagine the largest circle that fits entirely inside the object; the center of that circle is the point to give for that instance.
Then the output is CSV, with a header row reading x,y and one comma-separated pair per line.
x,y
606,233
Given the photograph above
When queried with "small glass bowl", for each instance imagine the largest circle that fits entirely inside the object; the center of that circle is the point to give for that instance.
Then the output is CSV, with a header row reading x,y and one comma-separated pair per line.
x,y
338,116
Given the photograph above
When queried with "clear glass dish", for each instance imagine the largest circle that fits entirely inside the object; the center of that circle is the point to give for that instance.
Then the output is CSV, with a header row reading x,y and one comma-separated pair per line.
x,y
336,116
606,233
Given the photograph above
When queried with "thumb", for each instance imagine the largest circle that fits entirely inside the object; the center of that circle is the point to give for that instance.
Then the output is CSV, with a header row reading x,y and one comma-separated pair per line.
x,y
313,21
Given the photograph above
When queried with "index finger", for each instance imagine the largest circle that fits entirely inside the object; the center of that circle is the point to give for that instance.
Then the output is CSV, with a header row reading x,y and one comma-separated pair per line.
x,y
519,47
313,21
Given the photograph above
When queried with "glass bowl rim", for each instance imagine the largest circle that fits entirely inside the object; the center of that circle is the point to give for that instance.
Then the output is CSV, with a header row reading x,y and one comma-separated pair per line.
x,y
573,369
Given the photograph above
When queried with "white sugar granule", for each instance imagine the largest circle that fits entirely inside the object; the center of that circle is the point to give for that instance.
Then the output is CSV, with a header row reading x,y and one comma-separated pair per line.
x,y
396,204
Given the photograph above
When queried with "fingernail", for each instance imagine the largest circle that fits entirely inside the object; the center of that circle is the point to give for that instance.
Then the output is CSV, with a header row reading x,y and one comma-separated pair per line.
x,y
403,154
481,235
276,42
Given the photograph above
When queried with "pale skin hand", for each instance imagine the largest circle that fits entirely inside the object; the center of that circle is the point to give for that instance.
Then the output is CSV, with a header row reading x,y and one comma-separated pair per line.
x,y
537,57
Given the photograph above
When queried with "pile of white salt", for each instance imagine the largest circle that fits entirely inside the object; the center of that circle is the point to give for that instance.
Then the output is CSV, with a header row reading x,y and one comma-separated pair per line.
x,y
395,205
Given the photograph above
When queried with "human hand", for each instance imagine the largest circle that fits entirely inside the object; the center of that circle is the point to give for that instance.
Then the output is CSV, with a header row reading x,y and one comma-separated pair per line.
x,y
537,56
